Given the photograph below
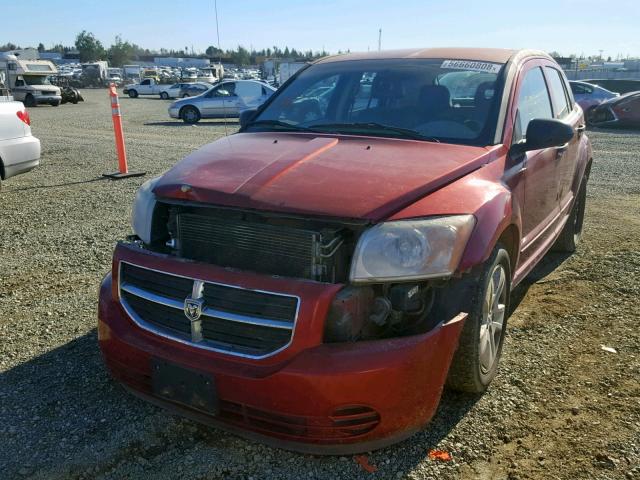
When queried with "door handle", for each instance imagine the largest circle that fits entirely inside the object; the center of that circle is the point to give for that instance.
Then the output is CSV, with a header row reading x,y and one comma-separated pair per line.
x,y
581,128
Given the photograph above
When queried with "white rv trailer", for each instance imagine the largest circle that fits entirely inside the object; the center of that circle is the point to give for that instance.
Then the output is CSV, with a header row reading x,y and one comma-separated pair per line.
x,y
28,80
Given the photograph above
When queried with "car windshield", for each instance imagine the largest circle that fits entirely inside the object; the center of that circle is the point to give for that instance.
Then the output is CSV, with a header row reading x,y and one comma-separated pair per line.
x,y
36,80
425,99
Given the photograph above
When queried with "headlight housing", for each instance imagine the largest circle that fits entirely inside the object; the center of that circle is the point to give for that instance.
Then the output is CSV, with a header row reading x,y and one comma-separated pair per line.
x,y
411,249
142,213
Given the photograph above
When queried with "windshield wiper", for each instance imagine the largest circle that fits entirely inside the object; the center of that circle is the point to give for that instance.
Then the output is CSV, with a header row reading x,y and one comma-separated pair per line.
x,y
368,126
278,123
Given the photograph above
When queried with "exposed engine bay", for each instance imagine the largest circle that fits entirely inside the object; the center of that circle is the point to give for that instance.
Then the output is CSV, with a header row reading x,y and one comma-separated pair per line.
x,y
313,249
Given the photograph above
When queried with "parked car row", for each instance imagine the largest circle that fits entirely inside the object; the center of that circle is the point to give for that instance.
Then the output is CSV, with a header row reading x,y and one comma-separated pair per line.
x,y
182,90
621,111
605,108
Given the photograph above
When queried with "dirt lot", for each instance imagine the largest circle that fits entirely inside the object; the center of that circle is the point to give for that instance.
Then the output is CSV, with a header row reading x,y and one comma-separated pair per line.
x,y
561,407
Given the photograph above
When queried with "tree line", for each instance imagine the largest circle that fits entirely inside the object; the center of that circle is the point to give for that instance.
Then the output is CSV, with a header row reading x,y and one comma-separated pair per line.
x,y
121,52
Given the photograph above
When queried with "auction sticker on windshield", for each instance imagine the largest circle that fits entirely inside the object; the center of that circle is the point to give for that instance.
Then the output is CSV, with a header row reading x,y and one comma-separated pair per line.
x,y
471,65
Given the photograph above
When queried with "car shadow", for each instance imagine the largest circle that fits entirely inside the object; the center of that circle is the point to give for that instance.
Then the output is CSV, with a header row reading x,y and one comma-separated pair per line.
x,y
62,414
156,97
201,123
615,129
7,190
549,263
59,402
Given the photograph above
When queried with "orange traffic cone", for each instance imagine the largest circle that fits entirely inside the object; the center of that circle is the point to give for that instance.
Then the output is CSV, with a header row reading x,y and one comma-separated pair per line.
x,y
116,116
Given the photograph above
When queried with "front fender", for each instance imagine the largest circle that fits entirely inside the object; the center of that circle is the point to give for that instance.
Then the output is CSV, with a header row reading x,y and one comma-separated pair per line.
x,y
492,202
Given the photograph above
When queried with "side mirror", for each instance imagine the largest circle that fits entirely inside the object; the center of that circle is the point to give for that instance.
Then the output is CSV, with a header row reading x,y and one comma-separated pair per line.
x,y
246,116
544,133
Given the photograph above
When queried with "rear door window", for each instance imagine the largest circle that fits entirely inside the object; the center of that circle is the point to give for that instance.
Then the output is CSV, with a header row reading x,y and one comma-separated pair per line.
x,y
580,89
558,94
533,102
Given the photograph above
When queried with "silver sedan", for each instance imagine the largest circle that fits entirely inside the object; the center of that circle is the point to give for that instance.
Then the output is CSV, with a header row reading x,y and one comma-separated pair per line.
x,y
226,99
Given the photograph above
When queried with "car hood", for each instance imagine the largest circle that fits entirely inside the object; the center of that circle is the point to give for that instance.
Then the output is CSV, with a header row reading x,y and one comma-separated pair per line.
x,y
339,176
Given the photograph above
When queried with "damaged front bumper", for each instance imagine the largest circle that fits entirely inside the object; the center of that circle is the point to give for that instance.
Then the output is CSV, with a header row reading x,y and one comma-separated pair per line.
x,y
313,397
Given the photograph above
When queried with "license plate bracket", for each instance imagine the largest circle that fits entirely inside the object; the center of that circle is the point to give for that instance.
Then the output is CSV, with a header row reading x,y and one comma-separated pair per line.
x,y
188,387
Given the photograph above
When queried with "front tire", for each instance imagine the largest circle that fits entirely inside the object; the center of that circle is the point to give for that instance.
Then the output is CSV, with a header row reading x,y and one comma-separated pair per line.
x,y
190,115
571,234
133,93
29,101
475,363
164,95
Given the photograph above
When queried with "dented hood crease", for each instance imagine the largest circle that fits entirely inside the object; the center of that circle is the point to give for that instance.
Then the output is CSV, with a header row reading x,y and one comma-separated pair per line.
x,y
327,175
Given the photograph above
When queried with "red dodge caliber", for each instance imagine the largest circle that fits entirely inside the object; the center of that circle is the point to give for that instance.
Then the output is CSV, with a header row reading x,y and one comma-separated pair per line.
x,y
315,280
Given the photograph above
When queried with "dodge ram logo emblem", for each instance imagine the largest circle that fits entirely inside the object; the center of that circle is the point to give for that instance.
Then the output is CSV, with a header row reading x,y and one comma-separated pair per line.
x,y
193,308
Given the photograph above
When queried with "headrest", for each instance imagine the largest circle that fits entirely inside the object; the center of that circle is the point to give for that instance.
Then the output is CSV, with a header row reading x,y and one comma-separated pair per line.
x,y
485,92
435,97
386,87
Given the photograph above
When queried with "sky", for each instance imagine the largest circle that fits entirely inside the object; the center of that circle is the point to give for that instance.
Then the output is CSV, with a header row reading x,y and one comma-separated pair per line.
x,y
566,26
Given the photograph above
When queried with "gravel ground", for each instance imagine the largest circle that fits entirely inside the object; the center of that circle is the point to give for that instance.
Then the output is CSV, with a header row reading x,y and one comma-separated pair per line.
x,y
561,407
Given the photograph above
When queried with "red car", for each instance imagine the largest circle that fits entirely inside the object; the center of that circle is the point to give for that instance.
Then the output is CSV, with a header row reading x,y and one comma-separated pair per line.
x,y
314,280
622,111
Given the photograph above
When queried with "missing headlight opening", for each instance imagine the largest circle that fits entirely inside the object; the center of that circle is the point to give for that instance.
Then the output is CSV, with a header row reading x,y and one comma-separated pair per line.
x,y
388,310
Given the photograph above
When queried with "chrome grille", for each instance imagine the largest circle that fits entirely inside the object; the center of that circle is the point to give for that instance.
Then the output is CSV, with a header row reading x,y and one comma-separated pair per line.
x,y
233,320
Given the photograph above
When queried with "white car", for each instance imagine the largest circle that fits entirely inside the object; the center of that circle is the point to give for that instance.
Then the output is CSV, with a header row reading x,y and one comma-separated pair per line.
x,y
173,91
19,150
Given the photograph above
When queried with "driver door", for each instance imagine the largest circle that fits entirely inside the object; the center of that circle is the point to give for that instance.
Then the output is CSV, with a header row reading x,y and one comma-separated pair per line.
x,y
145,87
217,100
211,103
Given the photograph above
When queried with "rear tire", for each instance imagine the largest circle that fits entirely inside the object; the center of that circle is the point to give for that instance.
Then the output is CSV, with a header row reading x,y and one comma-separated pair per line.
x,y
164,95
190,115
571,234
185,95
133,94
475,363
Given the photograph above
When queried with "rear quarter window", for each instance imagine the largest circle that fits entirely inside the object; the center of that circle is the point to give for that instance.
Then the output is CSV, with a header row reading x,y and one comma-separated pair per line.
x,y
559,97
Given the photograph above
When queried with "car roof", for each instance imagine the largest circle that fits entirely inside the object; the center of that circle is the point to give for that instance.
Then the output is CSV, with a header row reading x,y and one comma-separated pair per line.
x,y
494,55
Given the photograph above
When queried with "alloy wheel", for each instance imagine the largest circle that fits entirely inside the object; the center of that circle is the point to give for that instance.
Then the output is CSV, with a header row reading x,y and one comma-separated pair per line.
x,y
493,316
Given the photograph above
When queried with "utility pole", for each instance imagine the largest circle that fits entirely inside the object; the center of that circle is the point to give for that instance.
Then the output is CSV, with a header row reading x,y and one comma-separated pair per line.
x,y
379,39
